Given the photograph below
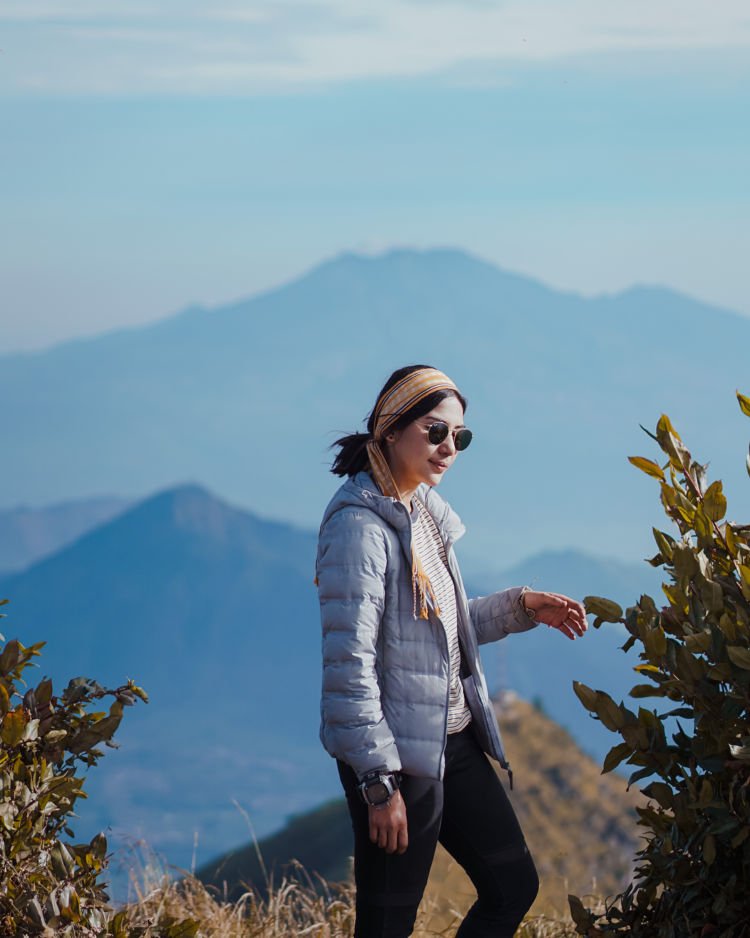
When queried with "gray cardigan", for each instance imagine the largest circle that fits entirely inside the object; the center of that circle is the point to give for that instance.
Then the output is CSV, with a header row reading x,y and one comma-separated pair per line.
x,y
385,693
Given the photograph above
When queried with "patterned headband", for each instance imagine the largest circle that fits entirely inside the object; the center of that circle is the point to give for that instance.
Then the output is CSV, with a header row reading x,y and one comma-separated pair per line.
x,y
407,392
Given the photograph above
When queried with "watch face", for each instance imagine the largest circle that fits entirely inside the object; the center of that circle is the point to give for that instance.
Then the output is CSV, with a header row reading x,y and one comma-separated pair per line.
x,y
377,793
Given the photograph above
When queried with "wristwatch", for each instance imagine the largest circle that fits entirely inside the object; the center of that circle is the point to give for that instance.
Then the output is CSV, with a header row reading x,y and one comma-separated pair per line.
x,y
531,613
377,788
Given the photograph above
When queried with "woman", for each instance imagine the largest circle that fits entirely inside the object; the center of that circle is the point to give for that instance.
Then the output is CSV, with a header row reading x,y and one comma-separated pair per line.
x,y
405,709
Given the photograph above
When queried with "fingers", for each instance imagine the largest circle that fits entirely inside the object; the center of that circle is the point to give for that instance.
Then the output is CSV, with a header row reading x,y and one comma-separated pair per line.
x,y
577,618
388,827
379,831
564,614
390,835
566,630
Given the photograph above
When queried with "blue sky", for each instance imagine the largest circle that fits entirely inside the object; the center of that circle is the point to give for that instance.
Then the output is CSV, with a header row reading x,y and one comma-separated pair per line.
x,y
157,154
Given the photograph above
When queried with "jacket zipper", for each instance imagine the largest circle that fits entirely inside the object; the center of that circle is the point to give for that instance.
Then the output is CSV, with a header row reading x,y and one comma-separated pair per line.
x,y
446,655
490,730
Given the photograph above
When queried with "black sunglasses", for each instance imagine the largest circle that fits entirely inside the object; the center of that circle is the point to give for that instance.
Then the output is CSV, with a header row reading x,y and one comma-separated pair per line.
x,y
438,432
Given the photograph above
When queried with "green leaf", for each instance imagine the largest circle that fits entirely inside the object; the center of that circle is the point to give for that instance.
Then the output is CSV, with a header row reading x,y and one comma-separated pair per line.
x,y
730,539
715,502
603,608
700,642
744,403
580,915
670,442
615,756
706,794
611,715
62,861
14,725
138,691
648,466
660,792
664,543
737,655
702,524
44,692
99,846
709,849
646,690
641,773
665,426
9,658
655,641
585,695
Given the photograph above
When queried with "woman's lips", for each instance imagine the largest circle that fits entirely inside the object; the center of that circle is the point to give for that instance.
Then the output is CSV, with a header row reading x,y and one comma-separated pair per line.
x,y
439,466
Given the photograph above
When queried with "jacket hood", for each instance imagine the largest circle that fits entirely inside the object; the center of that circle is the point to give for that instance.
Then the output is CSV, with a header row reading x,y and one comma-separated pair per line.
x,y
361,491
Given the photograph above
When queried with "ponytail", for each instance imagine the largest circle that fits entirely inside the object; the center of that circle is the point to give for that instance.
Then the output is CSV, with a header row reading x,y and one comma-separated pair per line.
x,y
352,456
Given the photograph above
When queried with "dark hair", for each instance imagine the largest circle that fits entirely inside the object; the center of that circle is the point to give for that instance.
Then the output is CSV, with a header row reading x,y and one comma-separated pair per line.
x,y
352,455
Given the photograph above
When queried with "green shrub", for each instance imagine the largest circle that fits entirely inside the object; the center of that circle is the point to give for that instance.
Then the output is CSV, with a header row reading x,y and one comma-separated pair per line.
x,y
692,874
48,886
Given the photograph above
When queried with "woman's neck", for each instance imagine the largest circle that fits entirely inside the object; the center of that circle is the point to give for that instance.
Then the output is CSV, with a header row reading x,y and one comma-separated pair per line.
x,y
407,497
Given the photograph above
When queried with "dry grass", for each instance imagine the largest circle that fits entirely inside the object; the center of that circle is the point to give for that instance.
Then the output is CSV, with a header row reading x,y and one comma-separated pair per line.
x,y
292,908
297,906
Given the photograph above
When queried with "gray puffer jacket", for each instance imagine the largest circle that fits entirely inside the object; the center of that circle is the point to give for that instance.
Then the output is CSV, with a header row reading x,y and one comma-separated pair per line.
x,y
386,674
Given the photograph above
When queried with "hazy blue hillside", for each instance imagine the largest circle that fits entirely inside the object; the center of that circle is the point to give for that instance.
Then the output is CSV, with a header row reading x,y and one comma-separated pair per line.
x,y
246,398
182,580
27,534
213,610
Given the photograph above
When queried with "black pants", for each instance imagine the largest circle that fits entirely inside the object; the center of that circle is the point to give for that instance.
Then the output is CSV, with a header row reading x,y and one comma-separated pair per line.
x,y
470,814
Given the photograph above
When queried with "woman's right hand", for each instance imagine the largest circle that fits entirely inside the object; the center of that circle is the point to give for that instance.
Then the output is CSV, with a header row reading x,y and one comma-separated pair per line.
x,y
388,828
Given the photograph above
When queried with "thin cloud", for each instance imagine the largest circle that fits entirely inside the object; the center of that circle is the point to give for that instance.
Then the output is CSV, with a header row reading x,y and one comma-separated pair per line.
x,y
246,48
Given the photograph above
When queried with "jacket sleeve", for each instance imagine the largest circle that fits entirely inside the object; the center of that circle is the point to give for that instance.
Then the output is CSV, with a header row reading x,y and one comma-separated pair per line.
x,y
351,567
499,614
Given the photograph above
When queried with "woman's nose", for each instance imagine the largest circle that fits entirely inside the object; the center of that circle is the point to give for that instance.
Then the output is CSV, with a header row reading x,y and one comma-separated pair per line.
x,y
448,446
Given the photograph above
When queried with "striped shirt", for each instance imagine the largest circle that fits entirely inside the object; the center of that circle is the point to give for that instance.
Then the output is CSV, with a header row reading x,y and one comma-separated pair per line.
x,y
431,550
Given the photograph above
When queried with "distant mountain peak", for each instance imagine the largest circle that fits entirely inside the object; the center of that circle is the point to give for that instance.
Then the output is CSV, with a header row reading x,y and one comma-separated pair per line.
x,y
183,493
419,273
188,506
444,257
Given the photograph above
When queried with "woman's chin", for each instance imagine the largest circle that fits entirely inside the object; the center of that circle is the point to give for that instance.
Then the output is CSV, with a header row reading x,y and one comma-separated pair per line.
x,y
434,478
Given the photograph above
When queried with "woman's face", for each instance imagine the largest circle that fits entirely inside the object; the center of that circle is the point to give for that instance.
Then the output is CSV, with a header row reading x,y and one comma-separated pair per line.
x,y
411,456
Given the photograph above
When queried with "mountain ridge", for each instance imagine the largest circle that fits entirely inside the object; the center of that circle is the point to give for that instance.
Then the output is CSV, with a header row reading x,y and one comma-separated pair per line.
x,y
29,533
245,399
342,262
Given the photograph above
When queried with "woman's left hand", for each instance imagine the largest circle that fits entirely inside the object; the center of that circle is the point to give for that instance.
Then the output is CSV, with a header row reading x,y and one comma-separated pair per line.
x,y
558,611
